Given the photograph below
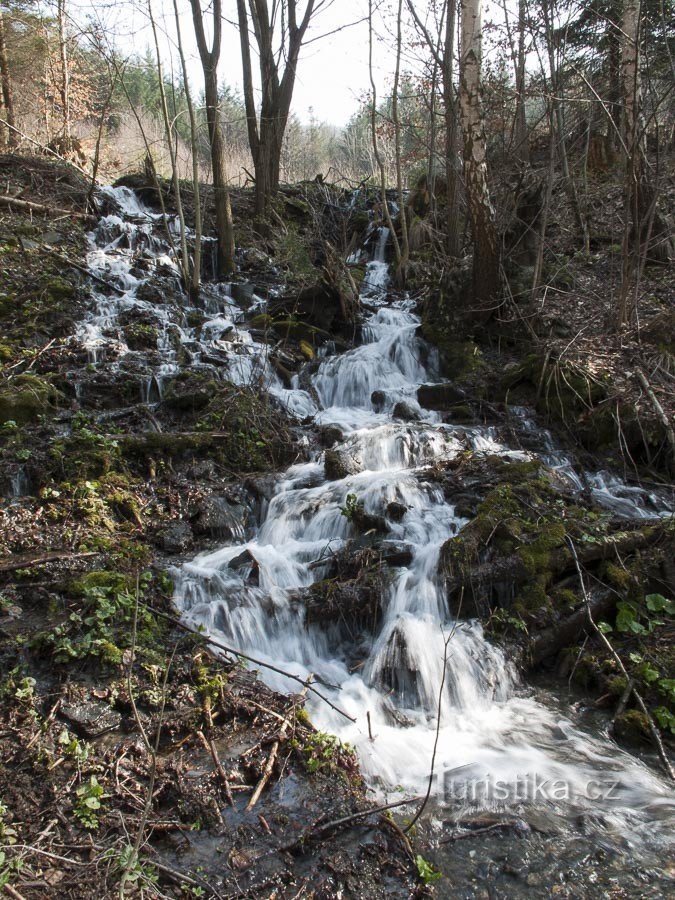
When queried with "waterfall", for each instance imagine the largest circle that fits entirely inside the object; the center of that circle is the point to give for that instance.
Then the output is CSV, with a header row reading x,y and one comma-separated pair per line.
x,y
493,733
496,740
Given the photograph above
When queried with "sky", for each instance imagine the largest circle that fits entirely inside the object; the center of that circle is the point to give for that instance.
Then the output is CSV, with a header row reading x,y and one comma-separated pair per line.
x,y
332,73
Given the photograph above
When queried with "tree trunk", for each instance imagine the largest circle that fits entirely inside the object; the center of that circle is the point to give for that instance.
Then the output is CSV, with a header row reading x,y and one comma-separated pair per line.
x,y
209,59
65,74
266,137
522,149
9,139
195,280
486,255
405,246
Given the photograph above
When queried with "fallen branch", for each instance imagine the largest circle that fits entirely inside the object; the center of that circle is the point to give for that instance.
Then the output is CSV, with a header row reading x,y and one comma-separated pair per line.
x,y
658,409
11,565
30,206
274,752
617,659
211,747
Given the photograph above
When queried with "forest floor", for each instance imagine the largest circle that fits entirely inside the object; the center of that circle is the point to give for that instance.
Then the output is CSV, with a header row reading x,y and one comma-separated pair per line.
x,y
127,750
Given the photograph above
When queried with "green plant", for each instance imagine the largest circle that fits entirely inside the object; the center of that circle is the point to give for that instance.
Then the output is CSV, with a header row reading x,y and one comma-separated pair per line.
x,y
90,796
353,507
427,873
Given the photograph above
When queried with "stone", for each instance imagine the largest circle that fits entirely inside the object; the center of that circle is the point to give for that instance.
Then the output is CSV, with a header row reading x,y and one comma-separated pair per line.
x,y
242,292
395,511
90,718
329,435
244,561
219,518
404,411
378,399
339,464
395,553
439,396
175,538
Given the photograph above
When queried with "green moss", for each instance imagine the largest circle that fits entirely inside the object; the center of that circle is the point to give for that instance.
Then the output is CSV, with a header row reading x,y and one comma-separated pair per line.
x,y
26,397
115,582
633,726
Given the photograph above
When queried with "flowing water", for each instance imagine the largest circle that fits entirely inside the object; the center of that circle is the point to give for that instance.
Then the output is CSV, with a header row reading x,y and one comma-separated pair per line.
x,y
497,744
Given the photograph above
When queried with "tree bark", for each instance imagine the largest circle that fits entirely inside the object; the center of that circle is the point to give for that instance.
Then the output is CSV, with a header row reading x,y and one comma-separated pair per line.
x,y
195,280
65,74
209,60
10,138
486,251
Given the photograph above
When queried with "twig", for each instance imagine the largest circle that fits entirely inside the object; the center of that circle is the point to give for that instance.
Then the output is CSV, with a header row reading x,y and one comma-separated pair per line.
x,y
319,829
605,640
9,565
658,409
211,747
271,759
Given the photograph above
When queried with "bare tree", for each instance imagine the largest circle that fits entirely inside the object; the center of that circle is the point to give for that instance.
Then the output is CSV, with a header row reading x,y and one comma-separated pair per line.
x,y
65,73
443,50
195,279
9,139
486,255
209,60
279,33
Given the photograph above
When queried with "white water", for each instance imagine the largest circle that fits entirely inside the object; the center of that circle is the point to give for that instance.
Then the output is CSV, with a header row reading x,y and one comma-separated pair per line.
x,y
491,730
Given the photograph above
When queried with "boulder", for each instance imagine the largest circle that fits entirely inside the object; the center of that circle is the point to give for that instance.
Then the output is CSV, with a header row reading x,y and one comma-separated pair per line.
x,y
439,396
405,412
219,518
175,538
395,511
339,464
90,718
243,562
378,399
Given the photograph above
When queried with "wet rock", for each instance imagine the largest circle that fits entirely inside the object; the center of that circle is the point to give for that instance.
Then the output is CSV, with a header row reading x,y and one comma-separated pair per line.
x,y
395,553
339,464
406,412
242,293
378,399
219,518
439,396
329,435
246,561
175,538
189,392
90,718
395,511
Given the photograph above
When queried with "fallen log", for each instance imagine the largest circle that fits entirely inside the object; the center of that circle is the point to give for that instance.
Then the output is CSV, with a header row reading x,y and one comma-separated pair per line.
x,y
28,562
30,206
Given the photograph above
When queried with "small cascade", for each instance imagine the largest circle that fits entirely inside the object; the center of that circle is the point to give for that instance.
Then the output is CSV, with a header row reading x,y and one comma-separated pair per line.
x,y
425,678
421,658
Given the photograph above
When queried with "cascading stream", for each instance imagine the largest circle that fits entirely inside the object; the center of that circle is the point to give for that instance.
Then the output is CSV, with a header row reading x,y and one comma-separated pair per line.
x,y
493,735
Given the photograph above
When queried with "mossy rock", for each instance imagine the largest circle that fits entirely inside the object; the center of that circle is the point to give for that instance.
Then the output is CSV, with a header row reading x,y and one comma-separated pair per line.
x,y
115,582
26,397
632,726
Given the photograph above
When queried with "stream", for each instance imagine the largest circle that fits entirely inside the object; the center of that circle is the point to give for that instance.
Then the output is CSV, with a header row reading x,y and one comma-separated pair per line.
x,y
500,745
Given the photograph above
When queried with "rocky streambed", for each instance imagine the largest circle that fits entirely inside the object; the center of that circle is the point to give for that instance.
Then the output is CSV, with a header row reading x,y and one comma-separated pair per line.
x,y
399,547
